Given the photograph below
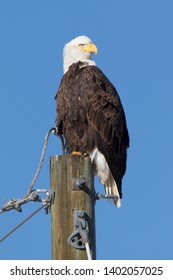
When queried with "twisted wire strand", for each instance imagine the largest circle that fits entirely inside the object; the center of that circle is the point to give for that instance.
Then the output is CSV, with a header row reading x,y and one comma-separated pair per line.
x,y
53,129
19,225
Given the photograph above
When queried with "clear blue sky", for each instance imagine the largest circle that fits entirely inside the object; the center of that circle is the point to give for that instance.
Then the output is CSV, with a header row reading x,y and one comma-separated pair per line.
x,y
135,45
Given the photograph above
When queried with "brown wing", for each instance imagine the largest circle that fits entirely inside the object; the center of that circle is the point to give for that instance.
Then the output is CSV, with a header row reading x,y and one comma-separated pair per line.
x,y
90,113
107,119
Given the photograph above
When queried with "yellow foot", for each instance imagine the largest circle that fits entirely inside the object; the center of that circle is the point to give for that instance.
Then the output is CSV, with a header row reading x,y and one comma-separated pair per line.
x,y
76,153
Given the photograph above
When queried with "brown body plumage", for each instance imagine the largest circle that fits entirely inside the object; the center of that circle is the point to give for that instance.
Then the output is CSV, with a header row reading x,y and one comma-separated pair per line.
x,y
90,115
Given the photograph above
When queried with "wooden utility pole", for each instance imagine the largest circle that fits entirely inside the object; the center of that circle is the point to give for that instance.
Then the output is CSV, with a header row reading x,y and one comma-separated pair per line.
x,y
65,171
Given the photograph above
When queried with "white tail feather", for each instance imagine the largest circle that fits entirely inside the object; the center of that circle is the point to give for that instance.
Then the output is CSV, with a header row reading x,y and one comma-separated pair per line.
x,y
111,189
105,175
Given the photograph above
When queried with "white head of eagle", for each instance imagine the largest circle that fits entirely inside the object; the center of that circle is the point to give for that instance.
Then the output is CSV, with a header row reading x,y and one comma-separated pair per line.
x,y
79,49
91,117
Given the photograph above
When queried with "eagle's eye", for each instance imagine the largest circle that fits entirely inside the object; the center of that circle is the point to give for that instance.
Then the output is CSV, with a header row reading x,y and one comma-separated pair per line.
x,y
82,45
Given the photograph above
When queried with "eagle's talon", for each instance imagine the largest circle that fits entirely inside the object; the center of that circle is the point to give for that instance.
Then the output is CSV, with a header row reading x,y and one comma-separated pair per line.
x,y
76,153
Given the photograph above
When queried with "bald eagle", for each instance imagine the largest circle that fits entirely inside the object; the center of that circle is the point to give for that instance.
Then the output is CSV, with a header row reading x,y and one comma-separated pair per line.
x,y
90,115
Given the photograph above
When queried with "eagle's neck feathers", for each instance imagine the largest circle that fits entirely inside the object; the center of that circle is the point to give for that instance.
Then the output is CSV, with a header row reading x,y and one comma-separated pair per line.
x,y
68,61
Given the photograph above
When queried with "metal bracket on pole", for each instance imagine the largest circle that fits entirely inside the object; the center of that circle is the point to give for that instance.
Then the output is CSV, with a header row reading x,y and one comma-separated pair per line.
x,y
80,234
16,204
48,199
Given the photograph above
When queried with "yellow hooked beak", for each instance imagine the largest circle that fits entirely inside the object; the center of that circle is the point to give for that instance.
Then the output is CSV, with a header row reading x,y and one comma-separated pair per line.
x,y
89,48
